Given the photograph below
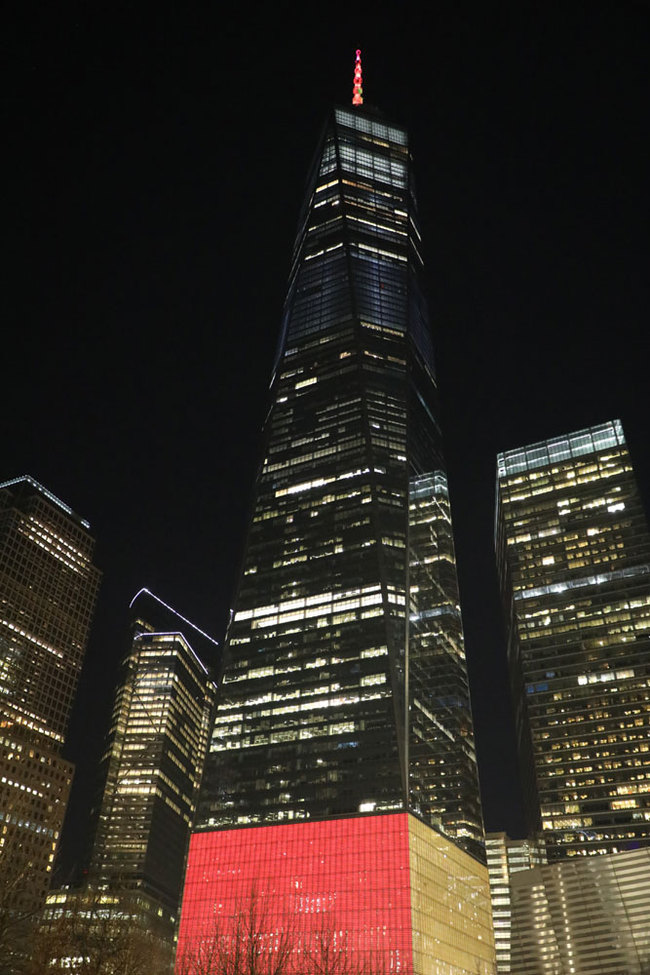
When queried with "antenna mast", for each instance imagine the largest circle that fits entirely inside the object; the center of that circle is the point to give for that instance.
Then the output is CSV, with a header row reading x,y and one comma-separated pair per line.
x,y
357,89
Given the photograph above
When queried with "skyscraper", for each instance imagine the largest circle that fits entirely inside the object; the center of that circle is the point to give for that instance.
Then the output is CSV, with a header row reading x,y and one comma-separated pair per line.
x,y
343,739
574,559
506,857
154,757
48,588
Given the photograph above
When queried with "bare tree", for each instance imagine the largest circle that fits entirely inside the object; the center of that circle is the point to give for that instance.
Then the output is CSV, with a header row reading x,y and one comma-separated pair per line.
x,y
21,895
250,942
97,932
328,953
247,942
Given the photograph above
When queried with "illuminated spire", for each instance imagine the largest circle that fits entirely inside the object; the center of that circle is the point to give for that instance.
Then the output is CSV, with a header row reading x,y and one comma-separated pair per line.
x,y
357,90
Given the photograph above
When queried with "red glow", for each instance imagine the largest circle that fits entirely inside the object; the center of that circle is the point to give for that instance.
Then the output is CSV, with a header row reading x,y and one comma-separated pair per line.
x,y
345,882
357,89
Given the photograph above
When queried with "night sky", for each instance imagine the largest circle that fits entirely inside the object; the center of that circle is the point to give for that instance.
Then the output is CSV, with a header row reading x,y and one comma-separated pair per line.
x,y
157,159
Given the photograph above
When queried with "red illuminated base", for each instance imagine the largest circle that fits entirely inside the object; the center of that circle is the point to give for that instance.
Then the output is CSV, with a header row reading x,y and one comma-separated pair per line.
x,y
330,896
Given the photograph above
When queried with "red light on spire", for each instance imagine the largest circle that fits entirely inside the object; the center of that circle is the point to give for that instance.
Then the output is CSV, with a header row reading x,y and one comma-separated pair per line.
x,y
357,89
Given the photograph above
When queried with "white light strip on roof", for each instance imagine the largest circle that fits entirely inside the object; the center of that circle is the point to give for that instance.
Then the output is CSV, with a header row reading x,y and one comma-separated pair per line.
x,y
48,495
172,610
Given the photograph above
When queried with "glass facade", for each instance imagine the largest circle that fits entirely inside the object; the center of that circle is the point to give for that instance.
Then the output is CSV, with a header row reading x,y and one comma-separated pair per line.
x,y
48,588
504,858
336,699
574,559
450,907
369,893
154,756
442,760
583,916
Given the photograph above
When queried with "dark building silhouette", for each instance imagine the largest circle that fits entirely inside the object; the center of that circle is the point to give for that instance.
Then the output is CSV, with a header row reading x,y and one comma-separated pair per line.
x,y
574,558
48,588
343,741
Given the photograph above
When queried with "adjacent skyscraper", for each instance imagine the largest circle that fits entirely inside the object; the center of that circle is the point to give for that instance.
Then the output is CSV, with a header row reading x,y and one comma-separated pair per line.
x,y
506,857
342,758
574,559
48,588
154,757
